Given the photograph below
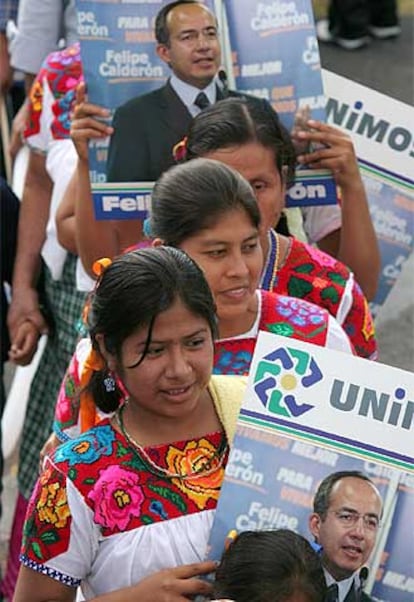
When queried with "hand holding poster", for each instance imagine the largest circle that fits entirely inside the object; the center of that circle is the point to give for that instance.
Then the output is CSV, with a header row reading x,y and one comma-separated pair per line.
x,y
381,129
118,50
276,57
121,64
303,419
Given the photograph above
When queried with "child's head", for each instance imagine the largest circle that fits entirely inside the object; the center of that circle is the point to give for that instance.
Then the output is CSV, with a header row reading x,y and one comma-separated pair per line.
x,y
270,566
132,291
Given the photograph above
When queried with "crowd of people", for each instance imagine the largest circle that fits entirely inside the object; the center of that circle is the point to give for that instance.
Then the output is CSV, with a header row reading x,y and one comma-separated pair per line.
x,y
132,409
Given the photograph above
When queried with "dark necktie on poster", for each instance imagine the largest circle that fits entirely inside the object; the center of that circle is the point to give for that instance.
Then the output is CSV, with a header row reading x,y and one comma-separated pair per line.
x,y
202,101
332,593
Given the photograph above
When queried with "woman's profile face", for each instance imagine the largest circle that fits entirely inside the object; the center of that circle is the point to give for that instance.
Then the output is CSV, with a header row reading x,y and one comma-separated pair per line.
x,y
230,255
256,163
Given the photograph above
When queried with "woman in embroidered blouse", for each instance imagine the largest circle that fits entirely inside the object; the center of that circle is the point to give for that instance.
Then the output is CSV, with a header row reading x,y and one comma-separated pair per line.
x,y
219,228
125,510
251,139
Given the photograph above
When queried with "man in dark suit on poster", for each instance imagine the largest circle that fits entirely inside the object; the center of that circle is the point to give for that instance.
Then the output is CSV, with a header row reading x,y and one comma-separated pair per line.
x,y
345,520
147,127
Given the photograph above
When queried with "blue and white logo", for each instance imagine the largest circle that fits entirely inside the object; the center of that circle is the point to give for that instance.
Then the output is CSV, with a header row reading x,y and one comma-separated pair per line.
x,y
281,376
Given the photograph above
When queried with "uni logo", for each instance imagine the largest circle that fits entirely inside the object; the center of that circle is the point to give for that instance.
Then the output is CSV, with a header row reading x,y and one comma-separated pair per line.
x,y
279,374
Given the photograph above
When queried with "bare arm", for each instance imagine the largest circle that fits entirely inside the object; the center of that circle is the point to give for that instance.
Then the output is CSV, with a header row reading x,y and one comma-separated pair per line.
x,y
179,584
34,213
34,587
331,242
94,239
6,73
355,244
65,218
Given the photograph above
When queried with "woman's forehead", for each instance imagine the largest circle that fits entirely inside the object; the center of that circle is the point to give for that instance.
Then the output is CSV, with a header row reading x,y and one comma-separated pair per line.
x,y
251,159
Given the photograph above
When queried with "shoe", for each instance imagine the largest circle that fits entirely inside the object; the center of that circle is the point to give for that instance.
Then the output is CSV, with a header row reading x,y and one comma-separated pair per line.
x,y
322,31
324,34
383,33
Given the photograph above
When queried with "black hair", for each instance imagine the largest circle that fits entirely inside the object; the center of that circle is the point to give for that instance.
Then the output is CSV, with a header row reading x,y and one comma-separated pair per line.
x,y
130,294
237,121
321,501
191,197
162,33
270,566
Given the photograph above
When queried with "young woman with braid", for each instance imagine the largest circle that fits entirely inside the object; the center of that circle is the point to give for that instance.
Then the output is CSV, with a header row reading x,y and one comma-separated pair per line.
x,y
124,511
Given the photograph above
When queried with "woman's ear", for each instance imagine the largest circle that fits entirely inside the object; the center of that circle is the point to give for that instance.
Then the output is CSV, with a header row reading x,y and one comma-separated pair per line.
x,y
157,242
108,357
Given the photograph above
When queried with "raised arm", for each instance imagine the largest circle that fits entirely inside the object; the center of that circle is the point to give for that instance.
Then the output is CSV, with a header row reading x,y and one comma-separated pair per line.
x,y
355,244
65,218
94,239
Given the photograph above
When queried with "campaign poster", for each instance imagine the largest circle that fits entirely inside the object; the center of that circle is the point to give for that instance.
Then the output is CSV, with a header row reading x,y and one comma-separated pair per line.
x,y
118,50
395,576
308,412
381,130
276,56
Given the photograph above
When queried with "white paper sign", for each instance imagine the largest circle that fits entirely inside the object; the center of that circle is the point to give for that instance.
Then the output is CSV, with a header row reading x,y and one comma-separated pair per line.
x,y
333,399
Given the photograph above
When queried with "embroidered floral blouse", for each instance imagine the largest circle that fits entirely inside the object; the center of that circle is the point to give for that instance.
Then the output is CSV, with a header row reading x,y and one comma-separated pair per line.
x,y
59,75
99,518
311,274
104,515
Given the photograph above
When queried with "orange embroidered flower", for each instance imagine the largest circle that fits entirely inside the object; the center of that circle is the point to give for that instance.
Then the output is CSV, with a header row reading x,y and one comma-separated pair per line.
x,y
368,328
52,505
196,455
319,282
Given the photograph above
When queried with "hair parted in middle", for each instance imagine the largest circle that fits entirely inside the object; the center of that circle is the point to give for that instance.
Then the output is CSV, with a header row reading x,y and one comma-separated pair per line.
x,y
132,291
192,196
238,121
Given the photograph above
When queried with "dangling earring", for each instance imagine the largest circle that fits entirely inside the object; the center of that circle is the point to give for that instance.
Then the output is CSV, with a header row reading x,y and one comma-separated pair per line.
x,y
109,383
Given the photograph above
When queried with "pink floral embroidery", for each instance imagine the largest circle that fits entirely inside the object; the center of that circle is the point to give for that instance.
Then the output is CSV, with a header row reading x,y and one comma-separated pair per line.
x,y
321,258
117,497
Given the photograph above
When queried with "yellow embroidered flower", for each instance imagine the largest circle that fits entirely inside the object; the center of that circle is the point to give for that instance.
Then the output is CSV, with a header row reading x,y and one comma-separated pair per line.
x,y
36,95
82,447
197,457
52,506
